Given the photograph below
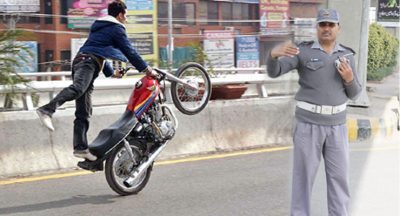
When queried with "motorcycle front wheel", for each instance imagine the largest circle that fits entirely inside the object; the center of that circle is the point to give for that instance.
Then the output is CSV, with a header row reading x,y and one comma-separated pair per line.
x,y
117,169
188,100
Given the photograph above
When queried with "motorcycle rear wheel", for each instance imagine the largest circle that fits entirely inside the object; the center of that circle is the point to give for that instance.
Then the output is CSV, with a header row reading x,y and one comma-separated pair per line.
x,y
117,169
187,100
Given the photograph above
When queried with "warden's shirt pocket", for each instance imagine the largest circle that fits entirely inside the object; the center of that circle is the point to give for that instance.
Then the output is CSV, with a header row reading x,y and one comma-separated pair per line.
x,y
314,64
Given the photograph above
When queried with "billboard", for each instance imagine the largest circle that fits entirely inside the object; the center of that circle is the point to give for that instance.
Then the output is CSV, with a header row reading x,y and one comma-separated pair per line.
x,y
274,17
219,48
388,13
84,12
142,28
28,61
76,44
247,52
29,6
139,4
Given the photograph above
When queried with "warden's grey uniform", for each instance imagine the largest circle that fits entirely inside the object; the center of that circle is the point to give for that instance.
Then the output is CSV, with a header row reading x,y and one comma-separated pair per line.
x,y
321,124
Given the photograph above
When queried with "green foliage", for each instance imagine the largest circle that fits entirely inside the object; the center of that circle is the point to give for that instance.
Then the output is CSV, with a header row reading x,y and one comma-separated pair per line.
x,y
382,52
392,3
9,53
201,57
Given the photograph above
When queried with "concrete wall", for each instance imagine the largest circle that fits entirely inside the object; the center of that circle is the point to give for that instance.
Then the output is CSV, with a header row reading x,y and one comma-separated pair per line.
x,y
27,147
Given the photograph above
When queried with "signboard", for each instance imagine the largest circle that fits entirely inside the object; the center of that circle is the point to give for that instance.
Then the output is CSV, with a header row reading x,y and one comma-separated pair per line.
x,y
142,28
76,44
86,12
219,48
274,17
304,29
388,13
30,6
247,52
139,4
28,60
143,43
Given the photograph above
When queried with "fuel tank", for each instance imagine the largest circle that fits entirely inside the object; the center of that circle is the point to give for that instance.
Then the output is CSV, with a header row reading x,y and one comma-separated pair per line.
x,y
143,95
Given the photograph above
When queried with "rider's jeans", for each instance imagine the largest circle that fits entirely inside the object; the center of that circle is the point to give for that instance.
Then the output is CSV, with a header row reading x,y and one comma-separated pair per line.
x,y
85,70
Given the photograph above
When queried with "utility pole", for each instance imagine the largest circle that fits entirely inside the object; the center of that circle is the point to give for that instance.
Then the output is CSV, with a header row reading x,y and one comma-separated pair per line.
x,y
170,38
363,99
356,36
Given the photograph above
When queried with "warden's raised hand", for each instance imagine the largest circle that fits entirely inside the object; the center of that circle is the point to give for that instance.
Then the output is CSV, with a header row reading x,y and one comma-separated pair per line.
x,y
285,49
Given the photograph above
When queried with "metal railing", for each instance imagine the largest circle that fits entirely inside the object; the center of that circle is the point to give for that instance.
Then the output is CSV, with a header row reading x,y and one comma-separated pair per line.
x,y
229,77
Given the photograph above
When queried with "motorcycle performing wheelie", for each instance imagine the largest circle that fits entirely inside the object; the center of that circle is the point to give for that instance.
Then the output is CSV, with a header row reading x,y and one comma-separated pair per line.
x,y
130,145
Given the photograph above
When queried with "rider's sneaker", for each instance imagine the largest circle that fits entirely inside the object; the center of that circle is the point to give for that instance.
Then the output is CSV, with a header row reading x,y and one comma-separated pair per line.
x,y
91,165
85,154
45,119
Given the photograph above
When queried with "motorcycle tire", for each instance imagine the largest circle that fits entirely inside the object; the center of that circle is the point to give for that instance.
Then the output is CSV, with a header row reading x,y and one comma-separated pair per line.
x,y
117,169
186,100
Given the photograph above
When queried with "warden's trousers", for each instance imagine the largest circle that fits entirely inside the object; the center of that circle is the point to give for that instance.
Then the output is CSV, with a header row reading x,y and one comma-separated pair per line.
x,y
312,141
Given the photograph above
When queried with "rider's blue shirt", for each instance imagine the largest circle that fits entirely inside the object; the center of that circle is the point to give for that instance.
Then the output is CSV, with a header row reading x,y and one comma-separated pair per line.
x,y
108,39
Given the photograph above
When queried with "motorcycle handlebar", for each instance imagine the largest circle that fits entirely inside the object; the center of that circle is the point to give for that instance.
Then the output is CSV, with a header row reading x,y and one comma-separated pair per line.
x,y
125,70
166,75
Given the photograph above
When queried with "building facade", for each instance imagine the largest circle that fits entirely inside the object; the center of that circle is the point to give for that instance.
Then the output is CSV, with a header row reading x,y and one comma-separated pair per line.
x,y
56,27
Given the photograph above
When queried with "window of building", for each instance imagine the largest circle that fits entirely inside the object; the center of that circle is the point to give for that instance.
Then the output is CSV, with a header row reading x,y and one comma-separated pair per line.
x,y
64,12
212,13
65,60
190,13
48,9
29,19
23,18
48,58
254,13
226,9
245,12
162,12
203,11
182,13
237,14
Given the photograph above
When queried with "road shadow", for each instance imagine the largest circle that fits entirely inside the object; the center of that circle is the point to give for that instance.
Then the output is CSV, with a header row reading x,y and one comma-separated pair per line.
x,y
75,200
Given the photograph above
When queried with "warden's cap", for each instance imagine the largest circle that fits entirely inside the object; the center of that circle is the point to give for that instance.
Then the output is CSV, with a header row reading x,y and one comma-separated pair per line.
x,y
328,15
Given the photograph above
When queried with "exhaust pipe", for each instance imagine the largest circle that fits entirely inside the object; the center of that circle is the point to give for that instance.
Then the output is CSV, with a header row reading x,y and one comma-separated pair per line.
x,y
137,172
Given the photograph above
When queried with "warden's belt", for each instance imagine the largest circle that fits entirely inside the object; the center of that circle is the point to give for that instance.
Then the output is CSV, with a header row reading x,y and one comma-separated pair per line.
x,y
321,109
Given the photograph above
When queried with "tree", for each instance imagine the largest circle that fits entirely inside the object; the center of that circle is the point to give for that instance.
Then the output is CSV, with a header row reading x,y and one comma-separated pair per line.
x,y
10,53
382,52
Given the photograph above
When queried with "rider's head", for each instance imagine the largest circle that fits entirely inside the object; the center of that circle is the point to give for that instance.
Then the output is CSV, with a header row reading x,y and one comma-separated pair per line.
x,y
117,9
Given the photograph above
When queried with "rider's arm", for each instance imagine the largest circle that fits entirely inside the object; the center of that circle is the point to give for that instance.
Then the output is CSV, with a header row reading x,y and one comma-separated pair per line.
x,y
122,42
108,69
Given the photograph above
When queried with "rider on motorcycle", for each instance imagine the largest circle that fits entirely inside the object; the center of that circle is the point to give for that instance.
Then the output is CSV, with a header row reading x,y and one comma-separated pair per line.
x,y
107,40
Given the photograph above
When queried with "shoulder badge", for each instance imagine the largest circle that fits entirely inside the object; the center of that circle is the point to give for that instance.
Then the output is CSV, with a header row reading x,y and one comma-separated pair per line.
x,y
346,47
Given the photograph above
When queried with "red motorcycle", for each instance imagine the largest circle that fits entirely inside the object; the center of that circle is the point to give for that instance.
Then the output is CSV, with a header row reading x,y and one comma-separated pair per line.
x,y
131,144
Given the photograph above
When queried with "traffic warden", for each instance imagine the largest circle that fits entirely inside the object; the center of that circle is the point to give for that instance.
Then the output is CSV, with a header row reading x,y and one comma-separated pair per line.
x,y
327,79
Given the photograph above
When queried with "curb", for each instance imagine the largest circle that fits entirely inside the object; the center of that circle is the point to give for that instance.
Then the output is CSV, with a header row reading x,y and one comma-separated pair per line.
x,y
363,129
385,123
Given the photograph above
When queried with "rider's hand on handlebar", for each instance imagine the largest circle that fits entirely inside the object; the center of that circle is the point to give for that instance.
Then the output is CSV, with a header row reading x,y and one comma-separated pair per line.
x,y
118,74
149,72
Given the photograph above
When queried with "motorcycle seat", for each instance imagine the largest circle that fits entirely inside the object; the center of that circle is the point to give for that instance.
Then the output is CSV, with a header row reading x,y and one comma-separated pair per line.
x,y
112,135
